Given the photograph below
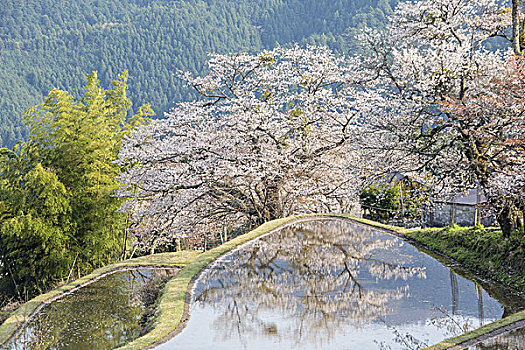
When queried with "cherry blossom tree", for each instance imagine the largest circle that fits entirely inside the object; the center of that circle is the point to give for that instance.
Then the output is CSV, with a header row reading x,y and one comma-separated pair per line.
x,y
295,130
271,134
442,110
432,49
518,28
496,130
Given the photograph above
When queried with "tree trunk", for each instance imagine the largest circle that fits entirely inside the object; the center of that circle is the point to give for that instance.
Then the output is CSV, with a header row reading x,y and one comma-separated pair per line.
x,y
273,204
521,218
516,27
508,219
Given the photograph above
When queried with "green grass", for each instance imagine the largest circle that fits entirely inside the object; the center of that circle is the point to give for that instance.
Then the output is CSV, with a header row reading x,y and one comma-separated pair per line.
x,y
3,316
483,251
20,315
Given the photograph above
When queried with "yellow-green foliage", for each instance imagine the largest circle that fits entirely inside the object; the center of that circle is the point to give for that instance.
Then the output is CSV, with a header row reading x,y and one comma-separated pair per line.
x,y
382,201
58,212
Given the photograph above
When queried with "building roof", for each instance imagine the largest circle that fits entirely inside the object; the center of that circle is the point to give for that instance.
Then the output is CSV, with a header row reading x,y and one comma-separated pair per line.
x,y
470,198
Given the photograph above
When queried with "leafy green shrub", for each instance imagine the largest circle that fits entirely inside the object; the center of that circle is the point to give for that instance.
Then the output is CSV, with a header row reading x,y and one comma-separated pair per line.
x,y
382,202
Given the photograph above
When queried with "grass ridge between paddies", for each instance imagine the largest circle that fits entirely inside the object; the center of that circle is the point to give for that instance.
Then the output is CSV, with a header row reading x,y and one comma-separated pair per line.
x,y
26,310
173,305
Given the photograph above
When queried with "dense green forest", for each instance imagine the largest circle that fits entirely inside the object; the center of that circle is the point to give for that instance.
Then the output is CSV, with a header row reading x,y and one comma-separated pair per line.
x,y
48,44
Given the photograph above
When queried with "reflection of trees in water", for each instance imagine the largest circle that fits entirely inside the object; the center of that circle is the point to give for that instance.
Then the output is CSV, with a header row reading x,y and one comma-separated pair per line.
x,y
453,324
314,274
38,336
405,340
101,315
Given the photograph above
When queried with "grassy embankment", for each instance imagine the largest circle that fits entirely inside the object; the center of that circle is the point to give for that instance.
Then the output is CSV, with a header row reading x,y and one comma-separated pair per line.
x,y
171,306
483,251
486,252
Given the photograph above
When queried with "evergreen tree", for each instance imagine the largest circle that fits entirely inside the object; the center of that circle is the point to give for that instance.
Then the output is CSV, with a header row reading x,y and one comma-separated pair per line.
x,y
47,44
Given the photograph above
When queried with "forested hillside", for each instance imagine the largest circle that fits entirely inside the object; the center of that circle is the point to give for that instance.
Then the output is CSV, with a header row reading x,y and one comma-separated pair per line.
x,y
46,44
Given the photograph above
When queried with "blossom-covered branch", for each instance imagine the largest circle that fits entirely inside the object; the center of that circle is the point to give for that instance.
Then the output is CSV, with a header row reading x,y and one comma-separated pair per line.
x,y
272,134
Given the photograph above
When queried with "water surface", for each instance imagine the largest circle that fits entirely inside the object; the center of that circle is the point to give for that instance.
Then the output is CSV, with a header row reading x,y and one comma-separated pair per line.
x,y
102,315
333,285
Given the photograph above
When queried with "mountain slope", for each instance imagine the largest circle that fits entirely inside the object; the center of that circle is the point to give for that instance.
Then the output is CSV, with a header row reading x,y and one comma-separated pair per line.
x,y
46,44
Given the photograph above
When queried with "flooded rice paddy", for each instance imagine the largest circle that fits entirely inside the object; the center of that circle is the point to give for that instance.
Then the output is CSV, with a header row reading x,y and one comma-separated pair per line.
x,y
104,314
335,285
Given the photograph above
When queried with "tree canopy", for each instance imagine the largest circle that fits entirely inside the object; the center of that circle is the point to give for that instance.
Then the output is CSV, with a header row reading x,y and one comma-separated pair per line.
x,y
296,130
58,212
271,135
48,44
447,108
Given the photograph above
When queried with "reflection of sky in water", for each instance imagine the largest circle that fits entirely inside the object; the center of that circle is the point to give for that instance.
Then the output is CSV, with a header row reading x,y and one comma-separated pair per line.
x,y
101,315
334,285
